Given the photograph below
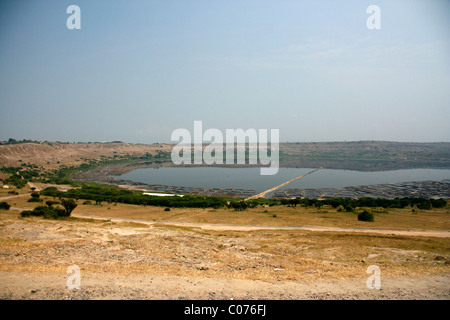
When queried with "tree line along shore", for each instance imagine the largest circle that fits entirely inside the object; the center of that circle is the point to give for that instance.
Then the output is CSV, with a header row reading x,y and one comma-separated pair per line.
x,y
96,194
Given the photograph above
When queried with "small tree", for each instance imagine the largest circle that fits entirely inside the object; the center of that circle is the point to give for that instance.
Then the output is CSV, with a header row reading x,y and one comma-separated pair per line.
x,y
424,205
366,216
35,195
4,205
50,203
69,205
348,207
238,206
318,204
294,202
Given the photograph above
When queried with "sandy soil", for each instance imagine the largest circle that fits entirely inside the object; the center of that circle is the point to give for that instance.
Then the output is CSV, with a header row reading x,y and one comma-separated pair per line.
x,y
145,286
127,260
240,227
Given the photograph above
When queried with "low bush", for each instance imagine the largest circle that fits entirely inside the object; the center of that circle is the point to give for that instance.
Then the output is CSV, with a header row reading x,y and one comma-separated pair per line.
x,y
366,216
238,206
424,206
35,194
51,203
4,205
69,205
46,212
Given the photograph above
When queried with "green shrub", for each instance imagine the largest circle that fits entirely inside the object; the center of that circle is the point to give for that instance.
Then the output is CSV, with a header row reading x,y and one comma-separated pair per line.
x,y
69,205
51,203
438,203
4,205
366,216
166,209
35,194
46,212
348,207
424,205
238,206
34,197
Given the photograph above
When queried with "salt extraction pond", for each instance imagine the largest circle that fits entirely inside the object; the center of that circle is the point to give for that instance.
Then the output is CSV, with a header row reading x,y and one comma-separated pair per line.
x,y
250,178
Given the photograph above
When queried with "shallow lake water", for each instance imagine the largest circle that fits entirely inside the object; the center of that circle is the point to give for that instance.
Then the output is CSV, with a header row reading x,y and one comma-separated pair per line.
x,y
250,178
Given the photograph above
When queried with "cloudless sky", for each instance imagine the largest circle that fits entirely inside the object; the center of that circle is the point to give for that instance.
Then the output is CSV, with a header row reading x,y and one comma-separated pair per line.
x,y
137,70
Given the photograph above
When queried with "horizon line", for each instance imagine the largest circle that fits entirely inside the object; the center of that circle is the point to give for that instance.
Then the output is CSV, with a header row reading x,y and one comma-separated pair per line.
x,y
6,142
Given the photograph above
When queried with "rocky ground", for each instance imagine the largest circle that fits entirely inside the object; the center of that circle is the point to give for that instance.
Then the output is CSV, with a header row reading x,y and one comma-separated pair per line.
x,y
53,286
133,261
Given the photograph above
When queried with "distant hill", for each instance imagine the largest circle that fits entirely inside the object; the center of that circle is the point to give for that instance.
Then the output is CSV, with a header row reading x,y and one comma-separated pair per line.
x,y
359,155
365,155
54,154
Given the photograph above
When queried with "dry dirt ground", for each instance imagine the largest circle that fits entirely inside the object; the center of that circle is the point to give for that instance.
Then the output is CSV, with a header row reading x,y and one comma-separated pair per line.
x,y
52,155
129,260
143,286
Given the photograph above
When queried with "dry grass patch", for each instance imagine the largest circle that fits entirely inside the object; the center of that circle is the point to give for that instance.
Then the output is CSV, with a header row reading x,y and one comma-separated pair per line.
x,y
436,219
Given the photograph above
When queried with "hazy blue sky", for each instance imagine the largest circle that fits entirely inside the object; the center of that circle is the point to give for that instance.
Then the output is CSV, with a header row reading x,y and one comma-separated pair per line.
x,y
137,70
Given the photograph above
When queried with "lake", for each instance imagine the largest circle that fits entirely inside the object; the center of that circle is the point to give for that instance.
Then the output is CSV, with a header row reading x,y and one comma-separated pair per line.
x,y
250,178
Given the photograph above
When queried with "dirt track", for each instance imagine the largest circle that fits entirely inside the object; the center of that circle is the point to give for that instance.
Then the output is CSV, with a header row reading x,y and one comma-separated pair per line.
x,y
235,227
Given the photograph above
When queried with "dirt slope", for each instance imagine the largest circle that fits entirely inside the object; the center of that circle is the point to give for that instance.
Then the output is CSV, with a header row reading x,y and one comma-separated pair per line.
x,y
49,154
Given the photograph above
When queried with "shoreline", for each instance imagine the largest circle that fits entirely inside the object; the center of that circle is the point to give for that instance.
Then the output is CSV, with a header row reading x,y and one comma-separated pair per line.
x,y
426,189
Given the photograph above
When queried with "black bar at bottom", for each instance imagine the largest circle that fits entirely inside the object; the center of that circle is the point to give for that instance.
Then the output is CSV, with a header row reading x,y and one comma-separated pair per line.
x,y
221,309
